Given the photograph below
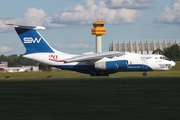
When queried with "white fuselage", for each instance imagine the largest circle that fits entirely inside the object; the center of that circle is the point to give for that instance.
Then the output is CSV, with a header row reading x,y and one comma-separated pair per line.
x,y
147,62
136,62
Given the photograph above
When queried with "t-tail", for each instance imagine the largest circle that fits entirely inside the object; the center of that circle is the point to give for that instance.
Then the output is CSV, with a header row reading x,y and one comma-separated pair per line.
x,y
32,40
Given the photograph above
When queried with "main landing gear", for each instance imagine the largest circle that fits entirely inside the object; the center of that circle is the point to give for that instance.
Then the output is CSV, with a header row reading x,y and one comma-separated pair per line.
x,y
99,73
144,73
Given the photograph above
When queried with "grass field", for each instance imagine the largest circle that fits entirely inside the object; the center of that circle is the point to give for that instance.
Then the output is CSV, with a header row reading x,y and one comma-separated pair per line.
x,y
91,99
73,96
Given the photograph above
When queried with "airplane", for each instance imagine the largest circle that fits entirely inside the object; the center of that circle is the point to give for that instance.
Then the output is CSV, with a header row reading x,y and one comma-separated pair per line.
x,y
95,64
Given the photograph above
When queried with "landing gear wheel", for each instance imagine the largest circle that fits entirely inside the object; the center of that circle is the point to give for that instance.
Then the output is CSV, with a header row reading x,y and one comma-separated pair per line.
x,y
106,74
101,73
93,73
144,74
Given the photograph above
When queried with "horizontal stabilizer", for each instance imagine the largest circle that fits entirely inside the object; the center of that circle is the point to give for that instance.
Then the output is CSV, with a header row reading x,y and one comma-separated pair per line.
x,y
27,27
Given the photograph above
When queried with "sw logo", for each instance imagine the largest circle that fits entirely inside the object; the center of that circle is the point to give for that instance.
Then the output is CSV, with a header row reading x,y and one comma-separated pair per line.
x,y
31,40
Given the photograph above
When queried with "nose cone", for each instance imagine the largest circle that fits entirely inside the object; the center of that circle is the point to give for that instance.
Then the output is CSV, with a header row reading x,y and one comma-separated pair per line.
x,y
173,63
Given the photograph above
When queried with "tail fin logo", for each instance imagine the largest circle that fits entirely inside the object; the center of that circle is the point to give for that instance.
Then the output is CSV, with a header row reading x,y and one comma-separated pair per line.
x,y
31,40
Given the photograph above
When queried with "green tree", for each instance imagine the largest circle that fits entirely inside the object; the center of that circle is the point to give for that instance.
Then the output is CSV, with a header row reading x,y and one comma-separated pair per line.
x,y
3,58
15,61
158,51
172,52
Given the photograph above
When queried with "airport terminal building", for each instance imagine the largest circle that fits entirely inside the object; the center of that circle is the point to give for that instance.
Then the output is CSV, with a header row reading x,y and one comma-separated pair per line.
x,y
141,46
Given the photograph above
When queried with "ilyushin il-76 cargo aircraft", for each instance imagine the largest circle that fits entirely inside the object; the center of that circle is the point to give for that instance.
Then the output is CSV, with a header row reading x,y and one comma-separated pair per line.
x,y
95,64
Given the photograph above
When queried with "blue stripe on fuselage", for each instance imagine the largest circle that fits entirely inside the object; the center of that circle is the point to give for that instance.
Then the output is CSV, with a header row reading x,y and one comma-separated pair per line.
x,y
137,67
131,67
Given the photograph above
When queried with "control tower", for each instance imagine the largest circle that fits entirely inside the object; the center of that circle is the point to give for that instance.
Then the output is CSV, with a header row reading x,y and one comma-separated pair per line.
x,y
98,30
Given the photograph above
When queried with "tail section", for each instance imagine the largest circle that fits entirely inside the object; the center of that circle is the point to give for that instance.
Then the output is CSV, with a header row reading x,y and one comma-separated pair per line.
x,y
32,40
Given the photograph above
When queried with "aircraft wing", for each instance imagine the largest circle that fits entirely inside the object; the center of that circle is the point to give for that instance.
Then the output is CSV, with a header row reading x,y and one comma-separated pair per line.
x,y
95,56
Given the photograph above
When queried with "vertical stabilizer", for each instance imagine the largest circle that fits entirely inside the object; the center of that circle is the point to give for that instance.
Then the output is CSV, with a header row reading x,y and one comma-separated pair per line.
x,y
32,40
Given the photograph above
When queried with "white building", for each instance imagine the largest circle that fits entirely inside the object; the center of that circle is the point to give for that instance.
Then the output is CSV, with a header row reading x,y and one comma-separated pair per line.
x,y
143,47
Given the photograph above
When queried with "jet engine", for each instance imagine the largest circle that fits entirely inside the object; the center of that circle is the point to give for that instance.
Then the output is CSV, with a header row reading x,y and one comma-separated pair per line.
x,y
111,65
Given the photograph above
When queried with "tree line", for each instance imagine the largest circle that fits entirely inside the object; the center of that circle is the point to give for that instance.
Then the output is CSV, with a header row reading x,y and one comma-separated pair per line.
x,y
172,52
15,60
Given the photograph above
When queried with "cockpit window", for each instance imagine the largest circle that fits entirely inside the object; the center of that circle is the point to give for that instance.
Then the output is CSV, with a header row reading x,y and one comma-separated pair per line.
x,y
164,58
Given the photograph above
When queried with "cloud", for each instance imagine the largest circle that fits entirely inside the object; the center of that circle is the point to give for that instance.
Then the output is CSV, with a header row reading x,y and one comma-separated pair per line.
x,y
85,15
80,46
32,16
161,25
77,44
58,46
5,49
80,15
130,4
3,27
78,40
170,16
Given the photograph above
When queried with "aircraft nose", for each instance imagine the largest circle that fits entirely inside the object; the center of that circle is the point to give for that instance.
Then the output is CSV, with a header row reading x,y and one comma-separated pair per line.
x,y
173,63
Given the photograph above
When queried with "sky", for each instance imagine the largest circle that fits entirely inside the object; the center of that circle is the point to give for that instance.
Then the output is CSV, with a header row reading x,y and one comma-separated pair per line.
x,y
69,22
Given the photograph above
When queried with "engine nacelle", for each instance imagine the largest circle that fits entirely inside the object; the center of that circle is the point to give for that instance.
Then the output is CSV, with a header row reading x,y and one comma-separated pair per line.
x,y
122,64
106,65
111,65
